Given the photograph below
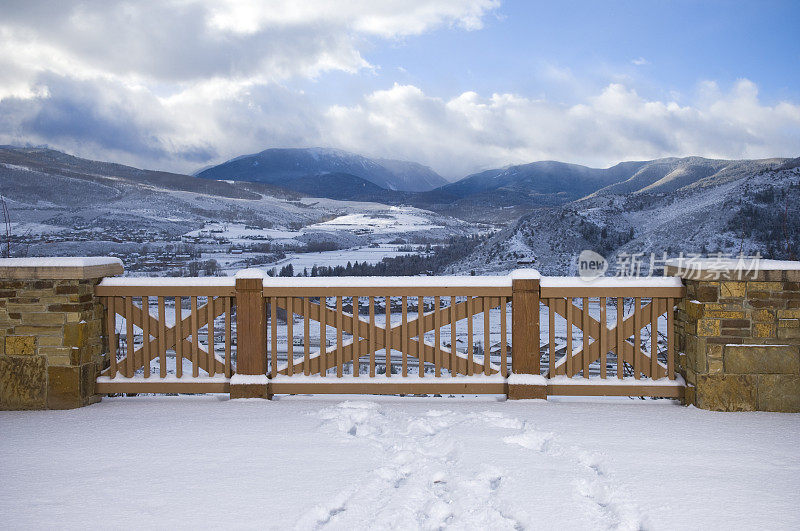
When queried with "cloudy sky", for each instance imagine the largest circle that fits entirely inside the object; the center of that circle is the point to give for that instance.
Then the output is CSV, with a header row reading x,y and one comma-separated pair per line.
x,y
460,85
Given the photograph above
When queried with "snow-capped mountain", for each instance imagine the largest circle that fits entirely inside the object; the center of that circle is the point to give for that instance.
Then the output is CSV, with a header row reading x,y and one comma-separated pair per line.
x,y
281,166
669,206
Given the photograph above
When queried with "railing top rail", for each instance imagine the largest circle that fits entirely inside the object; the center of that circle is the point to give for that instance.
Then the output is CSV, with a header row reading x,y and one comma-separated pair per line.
x,y
166,286
612,287
395,286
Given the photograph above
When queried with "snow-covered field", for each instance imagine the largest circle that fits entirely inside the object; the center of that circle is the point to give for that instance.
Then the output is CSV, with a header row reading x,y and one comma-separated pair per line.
x,y
398,463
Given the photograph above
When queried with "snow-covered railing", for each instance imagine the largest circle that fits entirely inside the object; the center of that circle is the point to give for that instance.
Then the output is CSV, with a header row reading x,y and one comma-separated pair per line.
x,y
390,335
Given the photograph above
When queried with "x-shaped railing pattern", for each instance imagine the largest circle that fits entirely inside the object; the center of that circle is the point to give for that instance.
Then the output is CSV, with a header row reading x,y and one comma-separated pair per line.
x,y
591,331
401,337
161,342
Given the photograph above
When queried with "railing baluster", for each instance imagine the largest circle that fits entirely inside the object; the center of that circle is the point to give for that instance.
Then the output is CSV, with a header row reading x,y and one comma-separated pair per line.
x,y
551,333
470,361
388,340
130,363
323,336
487,339
228,340
503,337
653,339
356,338
568,369
620,340
404,335
111,336
585,336
290,335
437,336
178,338
146,335
670,338
372,337
162,338
453,357
637,336
195,341
603,337
273,317
339,334
212,358
420,336
306,337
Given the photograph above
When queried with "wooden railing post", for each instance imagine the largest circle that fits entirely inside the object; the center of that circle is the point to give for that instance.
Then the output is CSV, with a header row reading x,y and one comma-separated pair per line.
x,y
525,380
250,380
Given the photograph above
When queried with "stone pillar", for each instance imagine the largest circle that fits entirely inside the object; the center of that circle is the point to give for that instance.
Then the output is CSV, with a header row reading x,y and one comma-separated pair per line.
x,y
51,331
738,334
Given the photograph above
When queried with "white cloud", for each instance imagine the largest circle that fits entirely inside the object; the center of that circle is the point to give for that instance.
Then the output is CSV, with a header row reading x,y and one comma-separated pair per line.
x,y
640,61
468,132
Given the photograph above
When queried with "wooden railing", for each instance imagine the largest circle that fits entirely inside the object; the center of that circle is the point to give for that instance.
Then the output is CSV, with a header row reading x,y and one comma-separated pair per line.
x,y
617,331
390,335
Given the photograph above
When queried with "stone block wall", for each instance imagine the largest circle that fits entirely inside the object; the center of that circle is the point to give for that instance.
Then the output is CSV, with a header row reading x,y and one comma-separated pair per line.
x,y
51,338
738,339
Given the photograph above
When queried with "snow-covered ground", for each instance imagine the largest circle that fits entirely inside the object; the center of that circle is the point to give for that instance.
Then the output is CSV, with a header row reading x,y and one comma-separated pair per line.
x,y
398,463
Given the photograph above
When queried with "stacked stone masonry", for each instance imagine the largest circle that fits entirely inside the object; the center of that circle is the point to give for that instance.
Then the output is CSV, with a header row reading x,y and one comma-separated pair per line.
x,y
738,340
50,343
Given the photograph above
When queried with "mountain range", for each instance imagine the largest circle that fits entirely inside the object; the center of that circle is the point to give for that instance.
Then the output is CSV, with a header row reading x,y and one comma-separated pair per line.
x,y
549,211
282,166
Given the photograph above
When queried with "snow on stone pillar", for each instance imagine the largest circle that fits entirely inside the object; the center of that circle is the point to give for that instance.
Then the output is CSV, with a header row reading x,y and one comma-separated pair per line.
x,y
526,381
250,380
51,331
738,334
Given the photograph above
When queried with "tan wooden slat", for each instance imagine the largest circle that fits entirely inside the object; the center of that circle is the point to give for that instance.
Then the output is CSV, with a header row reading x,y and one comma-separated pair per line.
x,y
111,336
487,340
453,346
470,357
273,322
603,337
404,343
130,364
637,337
399,291
356,338
585,328
156,385
619,348
339,333
653,340
290,335
569,313
162,341
179,337
146,336
670,338
551,334
420,334
195,339
437,336
547,292
323,336
210,363
372,347
132,290
661,391
504,337
395,387
228,339
306,338
388,340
